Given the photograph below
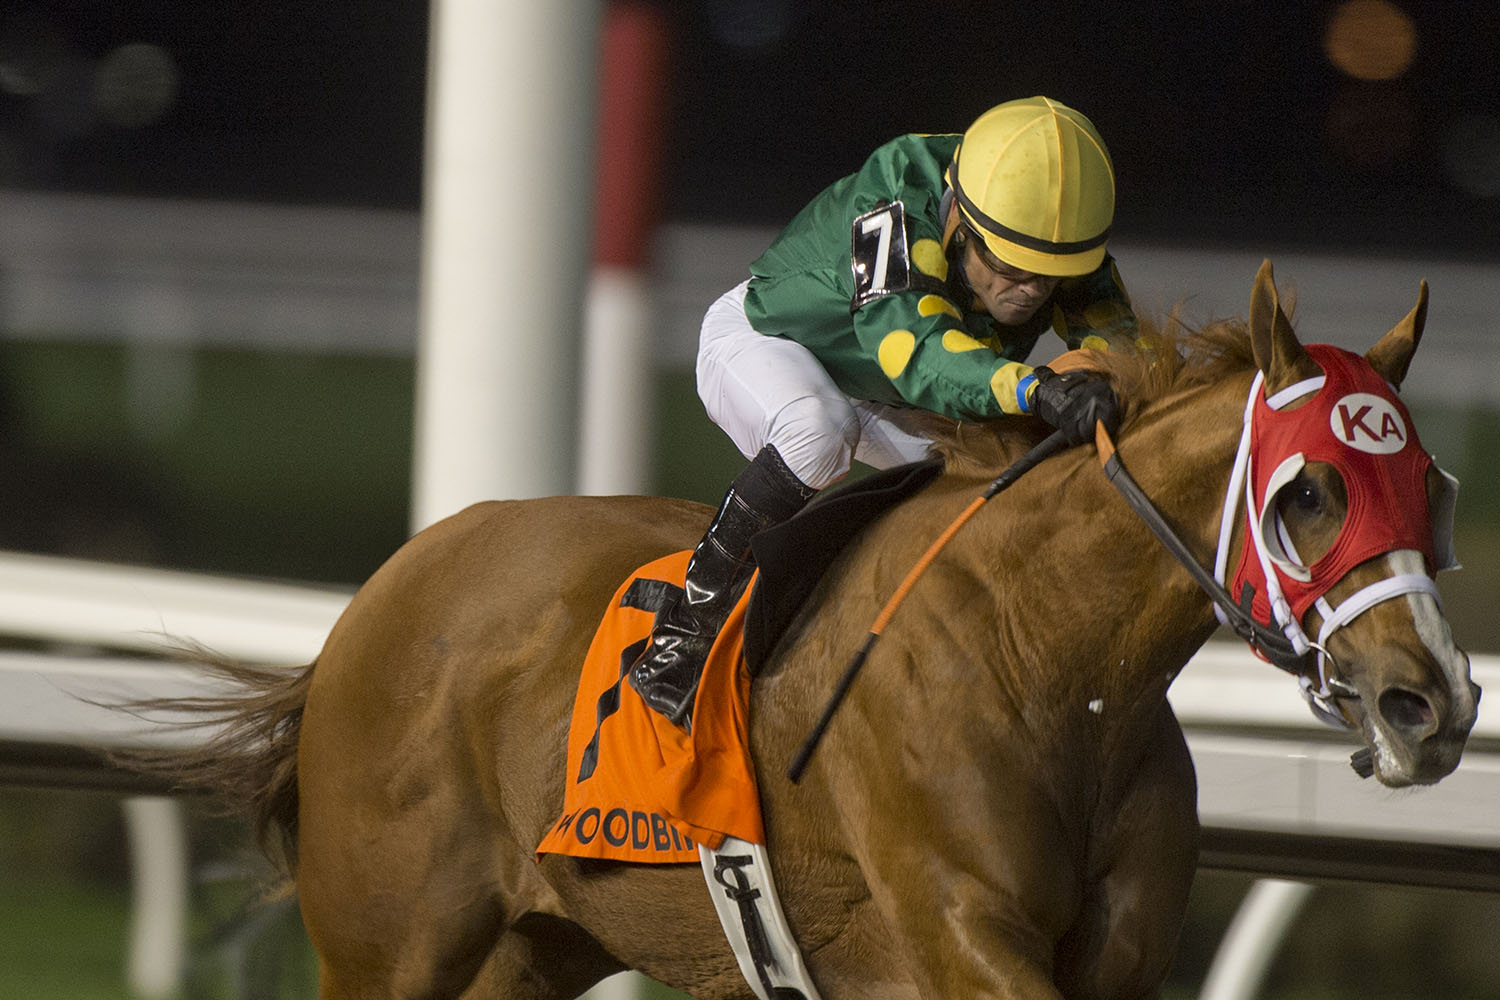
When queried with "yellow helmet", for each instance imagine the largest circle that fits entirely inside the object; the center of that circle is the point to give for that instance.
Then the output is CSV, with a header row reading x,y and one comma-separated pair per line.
x,y
1034,180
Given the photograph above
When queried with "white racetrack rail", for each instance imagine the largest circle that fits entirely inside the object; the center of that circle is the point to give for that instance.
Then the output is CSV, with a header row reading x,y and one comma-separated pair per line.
x,y
1265,765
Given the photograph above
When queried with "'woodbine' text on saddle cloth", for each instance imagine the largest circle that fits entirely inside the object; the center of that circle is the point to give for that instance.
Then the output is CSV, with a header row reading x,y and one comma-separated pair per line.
x,y
639,788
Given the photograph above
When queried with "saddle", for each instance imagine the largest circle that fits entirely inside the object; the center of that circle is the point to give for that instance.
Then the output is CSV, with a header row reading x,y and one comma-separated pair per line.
x,y
639,788
794,556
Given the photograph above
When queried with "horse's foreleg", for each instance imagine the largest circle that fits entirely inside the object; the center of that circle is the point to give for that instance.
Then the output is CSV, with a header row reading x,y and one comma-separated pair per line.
x,y
975,895
542,958
1126,934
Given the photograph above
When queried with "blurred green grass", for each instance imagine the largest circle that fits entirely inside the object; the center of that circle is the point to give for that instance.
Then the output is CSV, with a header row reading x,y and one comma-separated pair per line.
x,y
65,905
63,940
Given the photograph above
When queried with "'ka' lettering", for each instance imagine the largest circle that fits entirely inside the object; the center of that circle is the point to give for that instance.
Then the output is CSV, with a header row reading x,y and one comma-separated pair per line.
x,y
1369,423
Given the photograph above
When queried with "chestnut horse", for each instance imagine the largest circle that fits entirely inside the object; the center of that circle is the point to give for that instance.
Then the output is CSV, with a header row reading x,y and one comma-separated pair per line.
x,y
1004,806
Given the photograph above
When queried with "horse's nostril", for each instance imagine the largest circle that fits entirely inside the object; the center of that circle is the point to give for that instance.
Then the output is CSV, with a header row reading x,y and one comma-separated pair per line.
x,y
1405,710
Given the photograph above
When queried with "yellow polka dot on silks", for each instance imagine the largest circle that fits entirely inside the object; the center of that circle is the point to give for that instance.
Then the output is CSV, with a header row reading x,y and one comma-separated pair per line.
x,y
958,342
936,305
895,351
928,255
1094,342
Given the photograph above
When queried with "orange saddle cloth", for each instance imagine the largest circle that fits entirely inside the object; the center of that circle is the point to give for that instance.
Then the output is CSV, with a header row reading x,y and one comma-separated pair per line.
x,y
639,788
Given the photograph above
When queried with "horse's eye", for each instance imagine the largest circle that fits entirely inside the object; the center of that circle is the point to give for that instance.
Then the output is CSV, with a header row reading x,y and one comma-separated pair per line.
x,y
1303,496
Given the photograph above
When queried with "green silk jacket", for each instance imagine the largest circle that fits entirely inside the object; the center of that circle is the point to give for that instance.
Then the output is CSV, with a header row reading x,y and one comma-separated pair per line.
x,y
859,277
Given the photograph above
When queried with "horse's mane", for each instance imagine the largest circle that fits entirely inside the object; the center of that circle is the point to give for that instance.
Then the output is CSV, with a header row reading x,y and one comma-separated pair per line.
x,y
1171,357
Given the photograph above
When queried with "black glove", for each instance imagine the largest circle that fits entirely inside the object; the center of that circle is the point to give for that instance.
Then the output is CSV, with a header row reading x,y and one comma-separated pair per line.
x,y
1073,401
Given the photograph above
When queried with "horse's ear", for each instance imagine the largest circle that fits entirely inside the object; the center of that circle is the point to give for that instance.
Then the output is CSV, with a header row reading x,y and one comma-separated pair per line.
x,y
1391,356
1278,353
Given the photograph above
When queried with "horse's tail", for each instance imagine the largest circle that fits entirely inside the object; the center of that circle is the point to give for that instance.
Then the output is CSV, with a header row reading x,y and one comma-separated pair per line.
x,y
248,762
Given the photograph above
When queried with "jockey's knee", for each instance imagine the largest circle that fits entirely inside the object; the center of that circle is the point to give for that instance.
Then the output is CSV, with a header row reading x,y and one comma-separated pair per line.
x,y
816,436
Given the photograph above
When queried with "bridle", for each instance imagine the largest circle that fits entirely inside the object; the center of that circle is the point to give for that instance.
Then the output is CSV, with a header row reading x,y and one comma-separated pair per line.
x,y
1276,646
1280,638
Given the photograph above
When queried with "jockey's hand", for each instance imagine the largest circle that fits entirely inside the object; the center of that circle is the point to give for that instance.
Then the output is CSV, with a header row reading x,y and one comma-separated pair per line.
x,y
1073,401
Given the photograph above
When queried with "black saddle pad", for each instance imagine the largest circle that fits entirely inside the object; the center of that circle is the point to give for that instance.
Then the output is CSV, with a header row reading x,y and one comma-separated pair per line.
x,y
793,556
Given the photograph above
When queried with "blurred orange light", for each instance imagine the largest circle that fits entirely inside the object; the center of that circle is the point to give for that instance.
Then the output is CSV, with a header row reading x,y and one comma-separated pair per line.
x,y
1370,39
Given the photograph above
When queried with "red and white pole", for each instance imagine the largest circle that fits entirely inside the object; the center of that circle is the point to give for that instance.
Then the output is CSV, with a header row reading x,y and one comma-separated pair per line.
x,y
616,411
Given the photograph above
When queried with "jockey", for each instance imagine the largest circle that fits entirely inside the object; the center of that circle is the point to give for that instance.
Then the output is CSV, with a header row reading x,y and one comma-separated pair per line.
x,y
921,282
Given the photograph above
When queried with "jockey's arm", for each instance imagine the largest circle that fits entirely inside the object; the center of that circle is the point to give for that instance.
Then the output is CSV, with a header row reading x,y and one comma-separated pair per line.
x,y
936,361
1093,311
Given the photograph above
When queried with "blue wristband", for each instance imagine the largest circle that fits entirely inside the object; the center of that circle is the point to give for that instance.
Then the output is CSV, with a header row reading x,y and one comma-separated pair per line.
x,y
1022,387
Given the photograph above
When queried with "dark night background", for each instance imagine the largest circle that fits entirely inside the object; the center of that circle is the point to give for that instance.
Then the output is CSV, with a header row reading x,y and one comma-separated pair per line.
x,y
1230,122
1227,120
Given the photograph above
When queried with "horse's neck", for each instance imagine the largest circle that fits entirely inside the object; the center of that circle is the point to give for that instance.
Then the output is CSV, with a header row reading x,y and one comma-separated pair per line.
x,y
1182,452
1053,605
1076,576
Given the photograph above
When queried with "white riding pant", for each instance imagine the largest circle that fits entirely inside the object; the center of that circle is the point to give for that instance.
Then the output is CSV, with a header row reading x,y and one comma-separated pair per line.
x,y
769,390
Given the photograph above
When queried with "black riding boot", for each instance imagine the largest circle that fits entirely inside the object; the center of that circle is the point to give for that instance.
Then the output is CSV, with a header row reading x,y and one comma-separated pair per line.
x,y
666,674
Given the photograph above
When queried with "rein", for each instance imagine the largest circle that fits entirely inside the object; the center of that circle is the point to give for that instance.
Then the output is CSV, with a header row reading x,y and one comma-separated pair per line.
x,y
1049,446
1270,643
1274,646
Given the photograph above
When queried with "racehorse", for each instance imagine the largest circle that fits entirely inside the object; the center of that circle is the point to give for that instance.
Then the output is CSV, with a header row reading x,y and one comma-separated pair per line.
x,y
1004,806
